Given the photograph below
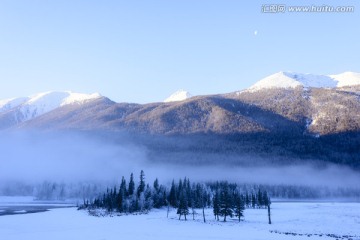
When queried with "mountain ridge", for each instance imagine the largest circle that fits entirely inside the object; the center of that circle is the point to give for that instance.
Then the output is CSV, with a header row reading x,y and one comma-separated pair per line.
x,y
276,124
22,109
293,80
317,111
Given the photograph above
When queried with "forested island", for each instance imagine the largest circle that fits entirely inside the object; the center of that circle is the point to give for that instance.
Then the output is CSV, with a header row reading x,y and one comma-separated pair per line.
x,y
226,199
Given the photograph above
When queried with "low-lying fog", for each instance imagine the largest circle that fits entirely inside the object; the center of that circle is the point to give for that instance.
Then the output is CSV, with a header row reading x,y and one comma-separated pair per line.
x,y
69,158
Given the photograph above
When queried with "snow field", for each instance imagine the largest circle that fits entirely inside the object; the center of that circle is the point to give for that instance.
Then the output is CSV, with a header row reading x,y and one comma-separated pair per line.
x,y
300,218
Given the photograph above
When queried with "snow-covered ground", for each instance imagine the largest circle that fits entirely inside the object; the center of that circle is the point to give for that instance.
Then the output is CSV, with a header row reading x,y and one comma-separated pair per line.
x,y
316,220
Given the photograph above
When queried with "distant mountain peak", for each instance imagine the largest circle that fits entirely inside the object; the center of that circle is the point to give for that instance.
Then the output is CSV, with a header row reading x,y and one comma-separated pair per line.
x,y
179,95
7,104
347,79
292,80
41,103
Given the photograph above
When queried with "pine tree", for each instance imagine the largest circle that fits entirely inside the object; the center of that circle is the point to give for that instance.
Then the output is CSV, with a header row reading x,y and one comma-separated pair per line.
x,y
216,204
259,199
253,200
265,199
239,205
179,189
103,201
226,201
183,208
156,185
164,201
202,195
119,201
191,201
131,187
123,187
247,200
198,195
141,187
108,202
187,187
114,198
173,195
149,202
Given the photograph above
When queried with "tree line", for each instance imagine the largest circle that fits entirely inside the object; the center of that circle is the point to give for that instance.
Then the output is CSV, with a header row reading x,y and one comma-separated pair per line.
x,y
226,199
50,190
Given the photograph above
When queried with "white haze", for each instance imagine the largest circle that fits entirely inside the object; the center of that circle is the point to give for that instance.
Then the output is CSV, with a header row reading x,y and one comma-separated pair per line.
x,y
65,157
71,158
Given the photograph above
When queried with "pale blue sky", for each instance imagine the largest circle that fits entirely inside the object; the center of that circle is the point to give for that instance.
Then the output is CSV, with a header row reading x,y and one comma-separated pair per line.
x,y
142,51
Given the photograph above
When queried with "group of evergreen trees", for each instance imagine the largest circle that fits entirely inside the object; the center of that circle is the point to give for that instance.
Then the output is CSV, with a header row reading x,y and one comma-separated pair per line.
x,y
258,200
226,199
229,200
128,198
185,196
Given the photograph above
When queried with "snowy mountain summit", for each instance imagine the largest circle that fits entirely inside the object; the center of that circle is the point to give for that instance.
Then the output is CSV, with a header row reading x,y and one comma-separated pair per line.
x,y
292,80
26,108
347,79
180,95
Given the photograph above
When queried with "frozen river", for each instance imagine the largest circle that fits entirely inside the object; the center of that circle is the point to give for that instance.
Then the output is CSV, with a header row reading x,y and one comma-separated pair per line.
x,y
25,205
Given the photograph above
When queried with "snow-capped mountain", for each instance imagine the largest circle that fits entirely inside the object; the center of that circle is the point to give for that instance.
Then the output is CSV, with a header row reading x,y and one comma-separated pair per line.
x,y
45,102
320,124
26,108
7,104
347,79
292,80
180,95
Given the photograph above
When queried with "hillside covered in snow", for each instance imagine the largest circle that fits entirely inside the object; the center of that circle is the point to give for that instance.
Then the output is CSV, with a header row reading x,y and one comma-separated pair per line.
x,y
25,108
292,80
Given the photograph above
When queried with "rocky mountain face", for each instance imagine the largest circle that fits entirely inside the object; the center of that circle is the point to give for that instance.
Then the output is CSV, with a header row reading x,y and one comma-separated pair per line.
x,y
321,111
